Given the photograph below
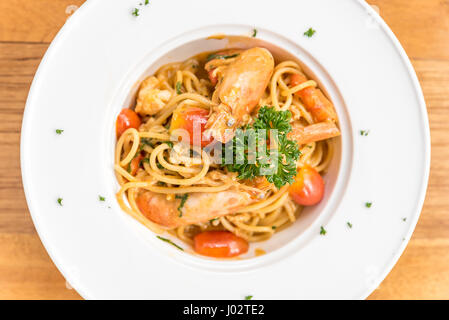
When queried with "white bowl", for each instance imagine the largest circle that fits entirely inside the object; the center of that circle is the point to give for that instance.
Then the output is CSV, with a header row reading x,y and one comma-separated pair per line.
x,y
194,42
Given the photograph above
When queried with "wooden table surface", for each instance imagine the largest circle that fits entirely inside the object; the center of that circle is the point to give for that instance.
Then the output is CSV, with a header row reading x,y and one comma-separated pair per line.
x,y
26,30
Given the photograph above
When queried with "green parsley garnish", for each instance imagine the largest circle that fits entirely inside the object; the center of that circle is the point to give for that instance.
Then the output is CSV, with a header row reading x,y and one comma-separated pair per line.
x,y
178,87
60,201
220,56
254,33
273,227
145,141
323,231
101,198
144,160
364,133
169,143
135,12
129,164
309,33
59,131
212,220
349,224
147,2
368,204
171,242
404,219
248,297
252,164
183,202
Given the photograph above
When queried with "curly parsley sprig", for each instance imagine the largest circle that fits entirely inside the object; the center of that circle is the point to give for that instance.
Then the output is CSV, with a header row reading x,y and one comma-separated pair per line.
x,y
259,164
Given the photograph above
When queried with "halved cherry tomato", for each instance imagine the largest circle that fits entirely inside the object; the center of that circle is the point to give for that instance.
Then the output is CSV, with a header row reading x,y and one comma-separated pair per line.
x,y
186,117
135,164
314,100
125,120
213,78
219,244
308,188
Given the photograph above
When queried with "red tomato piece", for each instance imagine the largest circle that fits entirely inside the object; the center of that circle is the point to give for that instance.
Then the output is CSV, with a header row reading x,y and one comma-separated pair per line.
x,y
186,118
213,79
135,164
308,188
125,120
219,244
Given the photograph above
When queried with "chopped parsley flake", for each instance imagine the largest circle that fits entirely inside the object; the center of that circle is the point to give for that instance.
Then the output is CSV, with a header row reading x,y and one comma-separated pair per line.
x,y
144,160
323,231
178,87
183,202
147,2
364,133
59,131
349,224
248,297
135,12
404,219
169,143
273,227
171,242
220,56
101,198
368,204
145,141
254,33
60,201
309,33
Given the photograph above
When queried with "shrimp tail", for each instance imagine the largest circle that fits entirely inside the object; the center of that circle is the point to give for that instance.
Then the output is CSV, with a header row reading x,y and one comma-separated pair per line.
x,y
315,132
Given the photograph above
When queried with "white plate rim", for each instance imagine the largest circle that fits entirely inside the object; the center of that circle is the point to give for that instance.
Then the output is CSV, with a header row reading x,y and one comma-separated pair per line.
x,y
392,38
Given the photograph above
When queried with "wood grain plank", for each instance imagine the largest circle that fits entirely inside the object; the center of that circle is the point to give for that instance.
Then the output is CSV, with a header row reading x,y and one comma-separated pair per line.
x,y
33,21
422,26
26,271
18,63
421,273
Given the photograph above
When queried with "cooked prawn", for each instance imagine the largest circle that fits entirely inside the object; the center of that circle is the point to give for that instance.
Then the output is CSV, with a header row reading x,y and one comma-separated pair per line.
x,y
322,110
314,100
315,132
199,207
239,90
151,100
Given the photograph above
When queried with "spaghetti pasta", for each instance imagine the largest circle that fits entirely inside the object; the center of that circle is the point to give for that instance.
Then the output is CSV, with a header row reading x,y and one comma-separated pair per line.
x,y
169,175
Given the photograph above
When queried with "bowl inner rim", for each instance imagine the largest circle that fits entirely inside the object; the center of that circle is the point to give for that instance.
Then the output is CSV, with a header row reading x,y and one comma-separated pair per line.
x,y
311,65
